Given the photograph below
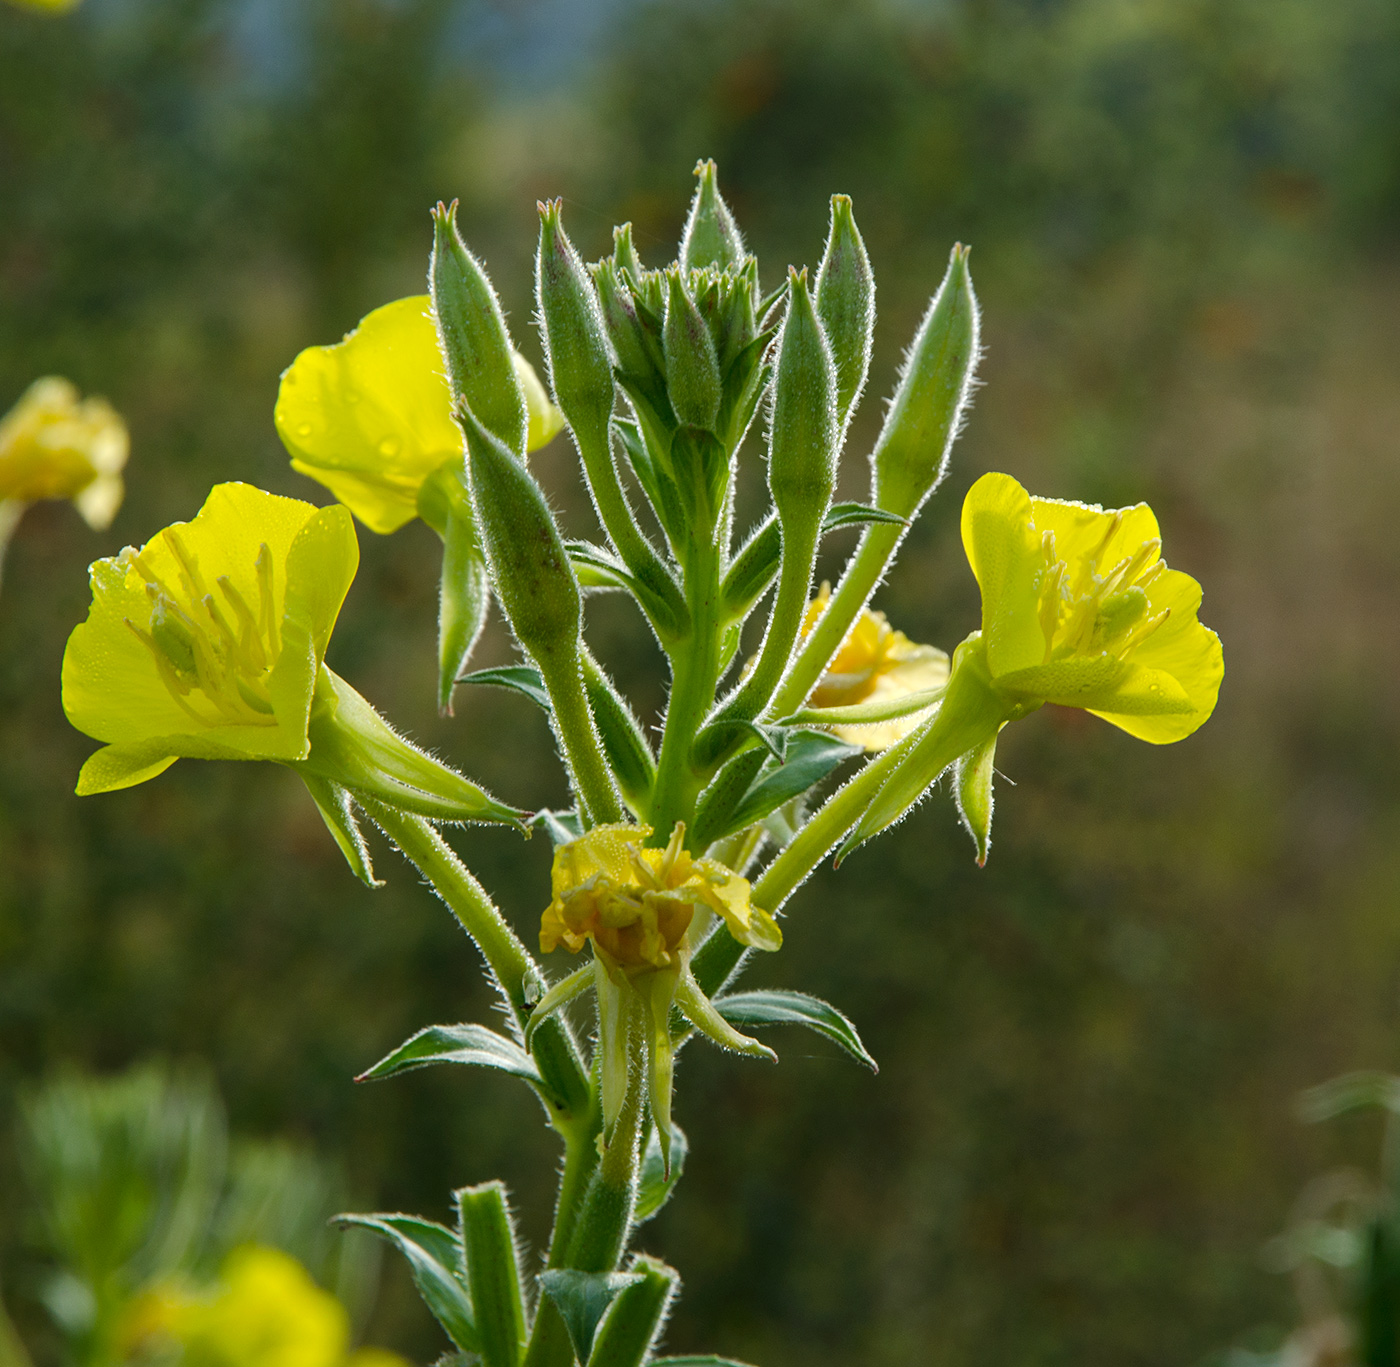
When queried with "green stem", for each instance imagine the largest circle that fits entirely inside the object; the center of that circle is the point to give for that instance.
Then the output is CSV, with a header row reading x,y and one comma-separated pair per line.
x,y
421,845
694,673
784,626
863,574
833,819
593,780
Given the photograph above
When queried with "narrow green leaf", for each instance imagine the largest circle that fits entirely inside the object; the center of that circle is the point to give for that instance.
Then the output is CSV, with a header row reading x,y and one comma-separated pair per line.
x,y
629,1329
493,1273
753,569
794,1008
654,1188
809,757
435,1255
857,514
523,679
470,1044
583,1299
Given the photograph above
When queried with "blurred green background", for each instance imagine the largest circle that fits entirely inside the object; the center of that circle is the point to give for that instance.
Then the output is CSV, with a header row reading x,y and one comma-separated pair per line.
x,y
1185,217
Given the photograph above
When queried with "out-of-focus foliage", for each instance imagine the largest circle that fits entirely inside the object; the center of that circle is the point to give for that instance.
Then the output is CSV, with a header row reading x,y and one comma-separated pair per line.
x,y
1184,218
137,1211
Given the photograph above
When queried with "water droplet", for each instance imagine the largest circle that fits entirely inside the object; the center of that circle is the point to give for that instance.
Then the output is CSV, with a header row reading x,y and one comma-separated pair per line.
x,y
304,430
389,447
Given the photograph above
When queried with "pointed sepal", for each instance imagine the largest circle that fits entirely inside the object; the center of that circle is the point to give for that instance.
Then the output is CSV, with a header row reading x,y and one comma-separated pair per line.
x,y
973,787
701,1012
655,1181
333,802
711,237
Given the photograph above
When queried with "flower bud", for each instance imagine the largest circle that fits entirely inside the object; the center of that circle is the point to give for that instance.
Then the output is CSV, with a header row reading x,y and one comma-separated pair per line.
x,y
692,365
935,384
711,237
804,427
846,305
639,355
576,346
472,335
624,255
529,566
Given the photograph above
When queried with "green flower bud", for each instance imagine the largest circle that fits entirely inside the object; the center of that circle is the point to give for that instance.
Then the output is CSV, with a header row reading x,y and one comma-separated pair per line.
x,y
804,430
529,565
711,237
639,354
624,255
576,346
472,335
692,365
935,384
846,305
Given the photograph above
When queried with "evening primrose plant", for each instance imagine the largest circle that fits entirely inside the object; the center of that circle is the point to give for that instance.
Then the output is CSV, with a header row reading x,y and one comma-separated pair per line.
x,y
679,850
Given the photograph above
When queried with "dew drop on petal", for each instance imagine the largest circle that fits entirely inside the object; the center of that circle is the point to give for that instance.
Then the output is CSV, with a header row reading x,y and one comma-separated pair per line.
x,y
304,430
389,447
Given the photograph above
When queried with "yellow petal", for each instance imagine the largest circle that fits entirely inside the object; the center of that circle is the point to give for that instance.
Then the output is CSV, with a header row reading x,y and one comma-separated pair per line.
x,y
1082,531
371,417
545,420
56,444
605,851
1005,553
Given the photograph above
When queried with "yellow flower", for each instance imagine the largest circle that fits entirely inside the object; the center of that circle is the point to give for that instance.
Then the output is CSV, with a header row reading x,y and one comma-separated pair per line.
x,y
54,6
876,666
371,416
54,444
207,641
636,904
1079,608
265,1312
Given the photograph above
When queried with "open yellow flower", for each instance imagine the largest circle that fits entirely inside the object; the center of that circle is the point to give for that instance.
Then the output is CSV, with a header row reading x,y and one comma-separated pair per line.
x,y
371,416
636,906
207,641
1078,609
56,444
876,667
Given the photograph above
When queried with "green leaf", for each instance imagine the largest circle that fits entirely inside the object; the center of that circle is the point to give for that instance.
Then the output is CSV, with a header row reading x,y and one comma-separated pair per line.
x,y
794,1008
471,1044
523,679
753,569
583,1299
856,514
1350,1092
435,1255
599,569
493,1273
654,1188
630,1327
809,757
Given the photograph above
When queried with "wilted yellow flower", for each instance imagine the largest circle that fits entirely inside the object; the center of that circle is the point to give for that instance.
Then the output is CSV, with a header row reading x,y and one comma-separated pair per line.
x,y
55,444
371,416
636,904
876,665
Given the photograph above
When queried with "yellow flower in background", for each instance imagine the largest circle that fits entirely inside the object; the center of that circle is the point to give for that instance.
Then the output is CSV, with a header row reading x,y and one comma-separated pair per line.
x,y
266,1312
371,416
52,6
207,641
1079,609
876,665
56,444
636,904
